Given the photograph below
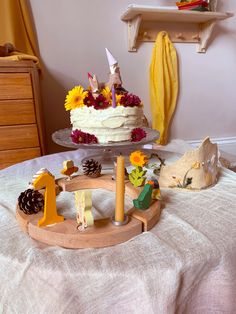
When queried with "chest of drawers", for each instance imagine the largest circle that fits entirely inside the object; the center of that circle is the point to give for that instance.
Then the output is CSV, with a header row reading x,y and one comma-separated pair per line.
x,y
21,122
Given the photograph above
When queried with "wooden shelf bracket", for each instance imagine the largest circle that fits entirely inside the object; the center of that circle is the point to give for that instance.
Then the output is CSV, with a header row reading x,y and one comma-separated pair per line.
x,y
133,30
205,32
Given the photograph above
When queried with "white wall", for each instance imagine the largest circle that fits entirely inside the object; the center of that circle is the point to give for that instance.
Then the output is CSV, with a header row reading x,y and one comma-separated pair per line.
x,y
72,35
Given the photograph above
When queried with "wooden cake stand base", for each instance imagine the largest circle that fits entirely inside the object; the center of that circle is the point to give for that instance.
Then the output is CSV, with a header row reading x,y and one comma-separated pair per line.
x,y
103,233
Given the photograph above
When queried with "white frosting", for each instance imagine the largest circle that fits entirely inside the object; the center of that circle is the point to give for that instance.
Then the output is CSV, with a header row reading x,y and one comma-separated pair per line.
x,y
108,125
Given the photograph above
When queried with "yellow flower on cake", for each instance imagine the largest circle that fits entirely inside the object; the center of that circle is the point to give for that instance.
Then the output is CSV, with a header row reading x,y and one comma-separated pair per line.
x,y
138,158
75,98
118,97
106,92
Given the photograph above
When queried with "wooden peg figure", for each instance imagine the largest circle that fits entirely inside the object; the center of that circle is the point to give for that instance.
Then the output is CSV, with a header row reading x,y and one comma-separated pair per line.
x,y
156,192
93,81
145,197
69,169
83,202
50,211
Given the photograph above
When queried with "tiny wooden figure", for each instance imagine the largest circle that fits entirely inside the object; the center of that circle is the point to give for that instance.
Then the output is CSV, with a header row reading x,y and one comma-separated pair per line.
x,y
93,84
36,175
69,169
50,211
145,197
83,202
156,192
115,78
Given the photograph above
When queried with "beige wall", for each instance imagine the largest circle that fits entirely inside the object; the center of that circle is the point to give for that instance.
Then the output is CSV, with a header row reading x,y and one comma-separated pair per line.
x,y
72,35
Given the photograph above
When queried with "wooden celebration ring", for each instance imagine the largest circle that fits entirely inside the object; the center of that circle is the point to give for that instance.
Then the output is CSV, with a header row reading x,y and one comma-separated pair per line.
x,y
103,233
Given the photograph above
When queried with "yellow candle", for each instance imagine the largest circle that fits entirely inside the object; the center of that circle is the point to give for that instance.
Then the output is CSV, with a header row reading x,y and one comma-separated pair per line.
x,y
120,189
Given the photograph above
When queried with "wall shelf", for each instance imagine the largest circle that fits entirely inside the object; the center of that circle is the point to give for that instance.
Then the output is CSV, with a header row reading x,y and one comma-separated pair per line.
x,y
144,22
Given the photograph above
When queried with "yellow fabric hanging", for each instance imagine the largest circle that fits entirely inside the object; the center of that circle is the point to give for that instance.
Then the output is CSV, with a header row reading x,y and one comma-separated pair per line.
x,y
15,26
164,84
18,56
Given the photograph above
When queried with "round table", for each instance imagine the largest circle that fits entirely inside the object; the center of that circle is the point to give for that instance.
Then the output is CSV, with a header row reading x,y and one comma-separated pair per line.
x,y
185,264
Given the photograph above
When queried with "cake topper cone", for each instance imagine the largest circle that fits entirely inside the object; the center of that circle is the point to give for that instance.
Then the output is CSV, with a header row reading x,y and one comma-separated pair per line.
x,y
114,78
112,61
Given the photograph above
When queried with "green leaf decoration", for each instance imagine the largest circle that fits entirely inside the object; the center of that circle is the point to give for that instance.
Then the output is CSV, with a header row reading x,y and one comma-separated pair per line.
x,y
136,176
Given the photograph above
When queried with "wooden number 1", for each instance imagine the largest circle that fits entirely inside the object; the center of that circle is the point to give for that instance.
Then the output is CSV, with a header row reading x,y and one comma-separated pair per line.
x,y
50,211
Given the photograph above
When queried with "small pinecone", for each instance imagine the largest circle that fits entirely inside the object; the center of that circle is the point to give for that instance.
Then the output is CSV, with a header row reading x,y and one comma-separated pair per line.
x,y
30,201
92,168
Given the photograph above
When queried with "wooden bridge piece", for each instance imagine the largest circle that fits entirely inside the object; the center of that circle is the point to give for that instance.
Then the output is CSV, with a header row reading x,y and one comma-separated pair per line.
x,y
103,233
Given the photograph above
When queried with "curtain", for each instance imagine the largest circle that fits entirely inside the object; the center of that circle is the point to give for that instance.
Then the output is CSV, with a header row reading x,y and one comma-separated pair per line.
x,y
163,83
16,26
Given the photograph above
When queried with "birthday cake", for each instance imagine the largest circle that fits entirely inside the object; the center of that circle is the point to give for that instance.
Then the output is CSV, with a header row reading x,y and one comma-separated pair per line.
x,y
105,113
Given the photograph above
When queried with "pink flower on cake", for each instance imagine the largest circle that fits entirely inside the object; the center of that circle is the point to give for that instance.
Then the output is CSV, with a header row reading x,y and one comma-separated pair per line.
x,y
80,137
100,102
130,100
89,100
138,134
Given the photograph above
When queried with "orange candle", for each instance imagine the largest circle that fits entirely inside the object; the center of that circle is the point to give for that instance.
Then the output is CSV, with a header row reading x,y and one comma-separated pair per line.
x,y
120,189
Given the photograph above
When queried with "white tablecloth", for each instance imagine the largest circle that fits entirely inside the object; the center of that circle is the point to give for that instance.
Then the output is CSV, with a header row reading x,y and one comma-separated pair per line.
x,y
186,264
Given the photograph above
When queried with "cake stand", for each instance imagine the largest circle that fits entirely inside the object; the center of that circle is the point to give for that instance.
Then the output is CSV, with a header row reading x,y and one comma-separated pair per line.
x,y
107,151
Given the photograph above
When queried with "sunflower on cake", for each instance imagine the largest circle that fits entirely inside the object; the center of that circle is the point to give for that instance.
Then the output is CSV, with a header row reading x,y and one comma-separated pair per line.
x,y
105,113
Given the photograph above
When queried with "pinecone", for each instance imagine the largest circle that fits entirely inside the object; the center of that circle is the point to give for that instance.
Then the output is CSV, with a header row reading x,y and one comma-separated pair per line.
x,y
92,168
30,201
